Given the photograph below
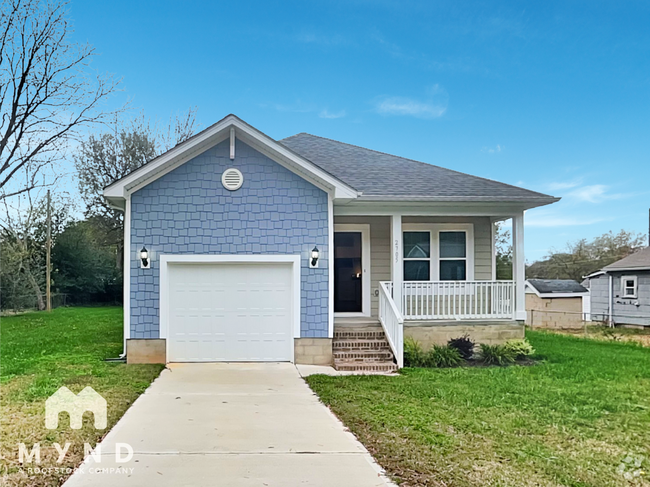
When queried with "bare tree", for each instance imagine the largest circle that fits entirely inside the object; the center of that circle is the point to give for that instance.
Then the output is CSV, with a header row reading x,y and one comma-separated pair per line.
x,y
47,92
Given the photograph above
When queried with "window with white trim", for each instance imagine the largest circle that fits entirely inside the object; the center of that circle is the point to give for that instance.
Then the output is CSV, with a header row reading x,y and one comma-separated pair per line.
x,y
436,255
629,286
453,256
417,256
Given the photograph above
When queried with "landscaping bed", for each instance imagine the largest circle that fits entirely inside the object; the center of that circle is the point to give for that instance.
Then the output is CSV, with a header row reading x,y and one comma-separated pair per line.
x,y
581,416
40,352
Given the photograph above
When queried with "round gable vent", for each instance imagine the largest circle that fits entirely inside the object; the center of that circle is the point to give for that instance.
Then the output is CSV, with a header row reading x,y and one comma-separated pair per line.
x,y
232,179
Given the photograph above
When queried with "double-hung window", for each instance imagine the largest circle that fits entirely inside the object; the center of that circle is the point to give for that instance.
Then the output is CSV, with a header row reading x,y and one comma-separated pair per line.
x,y
438,252
629,286
453,256
417,256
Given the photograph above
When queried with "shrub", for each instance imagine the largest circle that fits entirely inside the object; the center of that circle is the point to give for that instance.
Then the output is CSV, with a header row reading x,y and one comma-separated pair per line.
x,y
497,355
520,347
414,356
464,345
443,356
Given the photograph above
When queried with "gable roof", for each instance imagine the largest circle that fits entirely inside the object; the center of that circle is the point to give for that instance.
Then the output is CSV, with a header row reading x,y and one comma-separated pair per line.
x,y
639,260
117,191
347,171
378,175
550,287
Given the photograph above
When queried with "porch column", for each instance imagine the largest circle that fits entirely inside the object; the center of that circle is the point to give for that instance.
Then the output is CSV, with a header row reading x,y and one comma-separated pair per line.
x,y
396,267
519,265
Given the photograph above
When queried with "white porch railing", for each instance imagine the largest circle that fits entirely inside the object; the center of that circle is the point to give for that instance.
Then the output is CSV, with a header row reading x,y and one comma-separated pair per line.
x,y
445,300
392,321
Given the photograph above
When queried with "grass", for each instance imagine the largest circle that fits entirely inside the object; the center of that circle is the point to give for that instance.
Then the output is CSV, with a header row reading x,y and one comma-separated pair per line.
x,y
39,353
580,417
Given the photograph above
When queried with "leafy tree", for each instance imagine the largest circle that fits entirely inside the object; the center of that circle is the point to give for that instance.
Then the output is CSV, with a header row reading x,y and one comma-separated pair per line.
x,y
503,247
83,267
581,258
22,246
103,159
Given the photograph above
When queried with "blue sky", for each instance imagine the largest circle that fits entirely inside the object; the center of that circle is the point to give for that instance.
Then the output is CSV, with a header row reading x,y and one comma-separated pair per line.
x,y
552,96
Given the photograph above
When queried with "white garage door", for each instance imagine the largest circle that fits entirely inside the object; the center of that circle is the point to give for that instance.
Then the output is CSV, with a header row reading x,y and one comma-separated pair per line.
x,y
230,312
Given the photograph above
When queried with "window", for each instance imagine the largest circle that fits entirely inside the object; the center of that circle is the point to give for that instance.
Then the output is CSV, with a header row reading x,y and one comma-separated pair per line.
x,y
453,256
417,256
431,253
628,286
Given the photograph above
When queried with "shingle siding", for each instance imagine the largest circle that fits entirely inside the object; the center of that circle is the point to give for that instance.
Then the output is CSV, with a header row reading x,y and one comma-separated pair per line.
x,y
625,310
188,211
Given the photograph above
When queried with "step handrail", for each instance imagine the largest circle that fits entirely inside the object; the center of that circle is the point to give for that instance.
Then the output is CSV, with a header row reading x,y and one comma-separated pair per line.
x,y
392,322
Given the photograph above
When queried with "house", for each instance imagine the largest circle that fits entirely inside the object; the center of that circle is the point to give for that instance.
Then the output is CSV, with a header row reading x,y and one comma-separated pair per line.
x,y
556,303
620,292
239,247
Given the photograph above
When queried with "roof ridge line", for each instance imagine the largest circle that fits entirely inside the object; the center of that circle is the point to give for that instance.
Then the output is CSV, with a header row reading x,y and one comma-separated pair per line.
x,y
420,162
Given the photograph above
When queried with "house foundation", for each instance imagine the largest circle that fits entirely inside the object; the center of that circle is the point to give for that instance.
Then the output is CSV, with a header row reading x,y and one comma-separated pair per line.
x,y
429,333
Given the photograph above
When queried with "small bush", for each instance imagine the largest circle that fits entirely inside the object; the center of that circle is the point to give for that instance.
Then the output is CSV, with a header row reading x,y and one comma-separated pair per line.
x,y
520,347
497,355
464,345
414,356
443,356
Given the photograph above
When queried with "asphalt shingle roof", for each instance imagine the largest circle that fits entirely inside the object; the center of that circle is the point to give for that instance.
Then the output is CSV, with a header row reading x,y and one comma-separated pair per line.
x,y
379,174
546,286
640,260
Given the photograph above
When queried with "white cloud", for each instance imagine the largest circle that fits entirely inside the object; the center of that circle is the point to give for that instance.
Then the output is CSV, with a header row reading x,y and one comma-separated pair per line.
x,y
325,113
492,150
593,194
560,221
560,185
434,106
397,105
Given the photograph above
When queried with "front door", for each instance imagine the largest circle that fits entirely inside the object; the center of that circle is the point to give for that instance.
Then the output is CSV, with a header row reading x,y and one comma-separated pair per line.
x,y
348,272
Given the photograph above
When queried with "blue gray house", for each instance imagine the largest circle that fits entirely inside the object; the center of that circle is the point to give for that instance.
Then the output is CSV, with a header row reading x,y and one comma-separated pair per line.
x,y
620,292
239,247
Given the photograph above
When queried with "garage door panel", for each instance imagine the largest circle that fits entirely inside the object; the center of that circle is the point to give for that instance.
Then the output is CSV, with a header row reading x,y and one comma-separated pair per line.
x,y
230,312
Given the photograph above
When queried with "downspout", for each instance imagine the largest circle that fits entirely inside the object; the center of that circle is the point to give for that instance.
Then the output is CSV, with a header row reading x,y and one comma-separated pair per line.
x,y
610,320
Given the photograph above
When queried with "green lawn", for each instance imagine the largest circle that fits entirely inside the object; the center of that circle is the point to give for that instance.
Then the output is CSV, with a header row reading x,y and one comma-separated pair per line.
x,y
40,352
580,417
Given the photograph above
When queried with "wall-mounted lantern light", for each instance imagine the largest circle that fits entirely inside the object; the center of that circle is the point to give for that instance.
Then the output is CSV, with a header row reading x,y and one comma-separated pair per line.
x,y
315,254
144,258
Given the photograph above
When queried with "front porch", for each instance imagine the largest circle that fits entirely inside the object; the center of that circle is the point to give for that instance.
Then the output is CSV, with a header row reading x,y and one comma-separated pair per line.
x,y
430,277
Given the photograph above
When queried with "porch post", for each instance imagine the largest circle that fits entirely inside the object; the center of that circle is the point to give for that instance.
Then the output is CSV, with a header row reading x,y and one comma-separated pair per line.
x,y
519,265
396,267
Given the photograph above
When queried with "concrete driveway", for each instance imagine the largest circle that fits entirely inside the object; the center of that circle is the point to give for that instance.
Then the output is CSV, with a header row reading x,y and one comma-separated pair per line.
x,y
231,425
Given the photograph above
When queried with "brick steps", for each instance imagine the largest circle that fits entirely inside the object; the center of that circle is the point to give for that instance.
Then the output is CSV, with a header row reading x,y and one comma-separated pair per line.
x,y
366,367
366,356
362,349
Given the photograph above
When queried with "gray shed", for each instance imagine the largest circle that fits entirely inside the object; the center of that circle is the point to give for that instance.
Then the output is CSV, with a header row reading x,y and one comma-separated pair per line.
x,y
620,292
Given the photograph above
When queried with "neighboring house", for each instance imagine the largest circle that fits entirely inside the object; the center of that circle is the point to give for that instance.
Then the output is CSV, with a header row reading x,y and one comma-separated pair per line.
x,y
239,247
620,292
556,303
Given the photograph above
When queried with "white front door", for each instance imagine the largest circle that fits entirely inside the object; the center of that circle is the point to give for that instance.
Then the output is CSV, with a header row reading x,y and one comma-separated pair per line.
x,y
230,312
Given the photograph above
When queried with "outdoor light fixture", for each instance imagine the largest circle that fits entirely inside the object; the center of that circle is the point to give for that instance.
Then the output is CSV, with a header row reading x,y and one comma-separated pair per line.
x,y
144,257
315,253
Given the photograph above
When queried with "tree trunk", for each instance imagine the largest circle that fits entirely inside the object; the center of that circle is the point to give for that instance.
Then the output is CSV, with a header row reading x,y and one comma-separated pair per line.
x,y
35,287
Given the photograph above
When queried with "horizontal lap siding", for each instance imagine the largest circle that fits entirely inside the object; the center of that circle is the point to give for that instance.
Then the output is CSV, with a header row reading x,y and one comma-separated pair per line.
x,y
632,311
625,310
380,246
482,240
